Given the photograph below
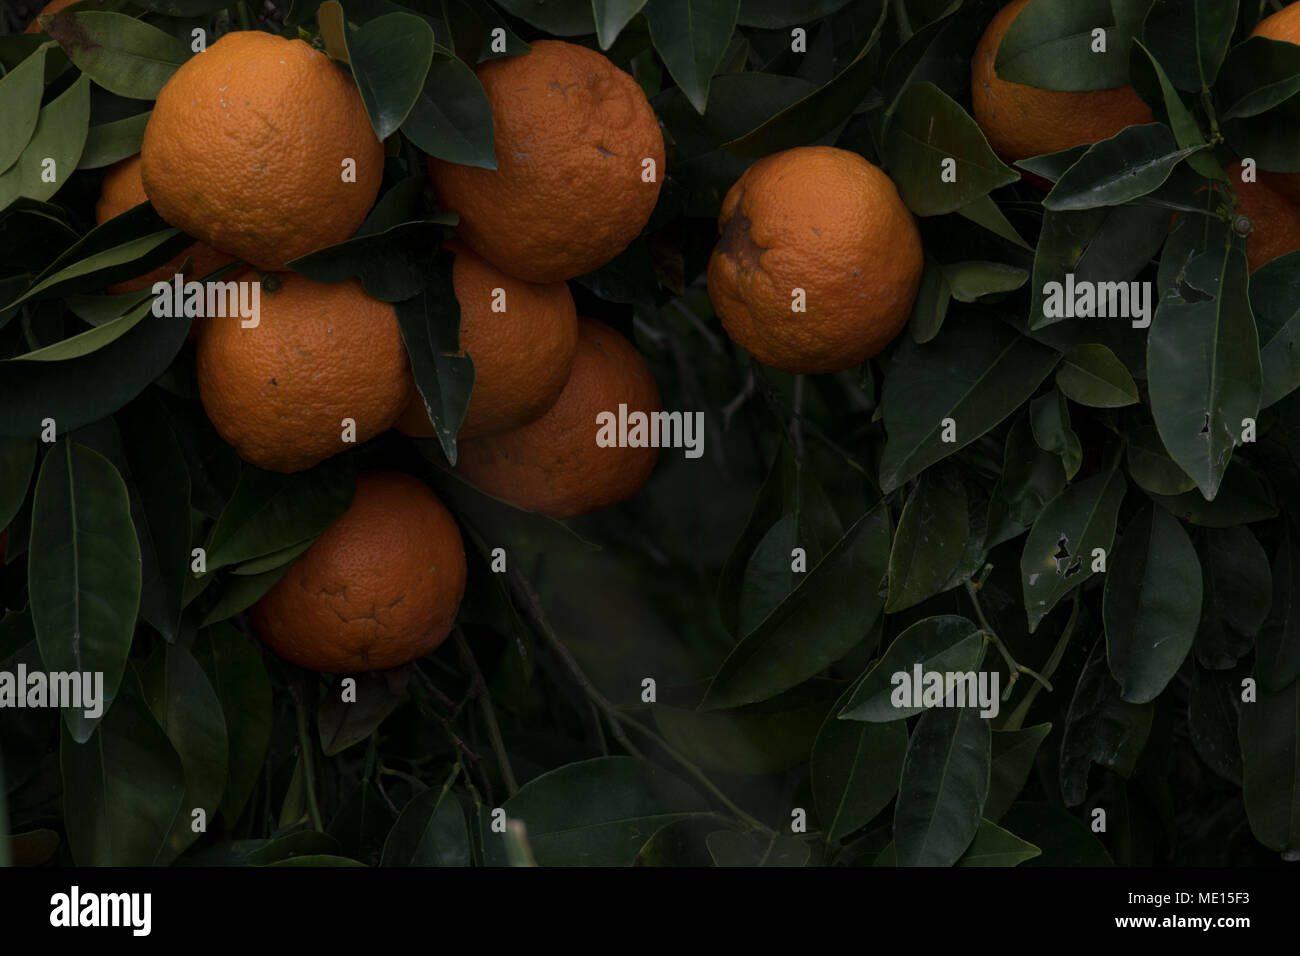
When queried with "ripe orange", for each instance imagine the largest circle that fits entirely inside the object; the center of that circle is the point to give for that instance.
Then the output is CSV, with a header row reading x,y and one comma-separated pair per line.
x,y
553,465
1022,121
522,355
321,353
1276,219
381,587
825,221
249,144
123,189
51,8
568,194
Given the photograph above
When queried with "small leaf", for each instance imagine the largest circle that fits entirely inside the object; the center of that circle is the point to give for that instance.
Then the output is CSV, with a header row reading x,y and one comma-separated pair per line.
x,y
994,846
342,723
1092,375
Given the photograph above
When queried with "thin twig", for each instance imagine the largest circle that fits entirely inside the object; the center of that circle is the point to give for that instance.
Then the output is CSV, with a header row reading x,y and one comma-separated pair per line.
x,y
478,688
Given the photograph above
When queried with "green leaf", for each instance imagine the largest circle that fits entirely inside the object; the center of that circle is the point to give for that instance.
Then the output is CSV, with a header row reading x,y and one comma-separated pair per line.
x,y
612,16
342,723
969,281
946,644
595,812
1031,477
1100,727
362,824
1275,301
1013,758
430,831
111,142
1204,365
452,118
822,110
123,788
303,843
1237,594
317,860
390,57
1049,419
1049,45
931,305
774,14
928,130
89,341
270,511
994,846
1190,38
1132,163
83,572
976,373
681,843
691,37
1152,604
20,106
124,55
944,783
430,324
51,155
1092,375
1277,653
1213,708
1060,551
1149,464
189,712
1153,85
1242,499
242,592
930,539
731,848
1063,838
1257,75
392,264
854,768
17,462
565,18
1270,751
830,612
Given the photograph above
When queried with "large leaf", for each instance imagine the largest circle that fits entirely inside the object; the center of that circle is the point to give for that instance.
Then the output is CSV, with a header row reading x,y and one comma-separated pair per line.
x,y
855,768
830,611
691,37
1152,604
51,155
1060,552
1204,366
1213,715
430,831
451,118
1277,652
83,572
1190,38
124,55
944,783
1270,749
20,106
1237,595
976,373
944,644
1275,301
595,812
1132,163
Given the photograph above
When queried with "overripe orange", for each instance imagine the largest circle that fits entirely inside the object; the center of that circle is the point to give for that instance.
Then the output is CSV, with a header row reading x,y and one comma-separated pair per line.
x,y
570,190
123,189
522,353
260,146
1022,121
381,587
554,464
51,8
321,353
827,222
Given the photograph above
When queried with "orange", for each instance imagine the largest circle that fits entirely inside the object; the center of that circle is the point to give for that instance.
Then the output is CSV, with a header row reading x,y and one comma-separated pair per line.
x,y
1022,121
251,145
827,222
554,465
321,353
1285,27
51,8
123,189
569,192
1276,219
380,588
522,354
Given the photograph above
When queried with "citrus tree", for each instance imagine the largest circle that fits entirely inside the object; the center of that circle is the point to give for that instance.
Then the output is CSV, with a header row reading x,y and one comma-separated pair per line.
x,y
480,432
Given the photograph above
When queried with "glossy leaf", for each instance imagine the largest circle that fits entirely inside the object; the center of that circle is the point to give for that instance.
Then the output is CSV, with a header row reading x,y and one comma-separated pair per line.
x,y
691,38
124,55
930,539
1270,749
431,831
1013,759
390,57
1092,375
1050,45
1134,162
855,767
994,846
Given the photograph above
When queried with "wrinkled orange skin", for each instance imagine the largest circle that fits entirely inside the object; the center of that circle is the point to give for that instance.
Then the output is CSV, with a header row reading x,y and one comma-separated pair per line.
x,y
245,148
51,8
322,352
567,195
553,465
1022,121
1285,27
380,588
123,189
522,356
826,221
